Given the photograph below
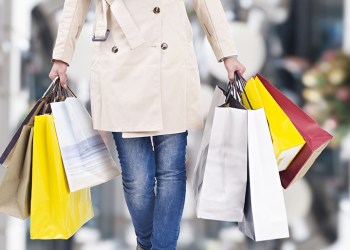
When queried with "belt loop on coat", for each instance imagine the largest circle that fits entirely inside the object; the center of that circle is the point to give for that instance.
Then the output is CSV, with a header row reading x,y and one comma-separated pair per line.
x,y
101,31
124,19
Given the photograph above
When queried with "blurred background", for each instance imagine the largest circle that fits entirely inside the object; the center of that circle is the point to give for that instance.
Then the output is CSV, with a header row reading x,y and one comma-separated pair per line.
x,y
301,46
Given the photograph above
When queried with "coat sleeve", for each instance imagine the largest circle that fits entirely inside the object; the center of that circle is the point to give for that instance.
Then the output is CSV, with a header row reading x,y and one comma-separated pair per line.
x,y
213,20
69,29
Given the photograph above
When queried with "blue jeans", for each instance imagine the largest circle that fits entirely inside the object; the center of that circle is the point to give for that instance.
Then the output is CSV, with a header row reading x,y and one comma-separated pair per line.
x,y
155,213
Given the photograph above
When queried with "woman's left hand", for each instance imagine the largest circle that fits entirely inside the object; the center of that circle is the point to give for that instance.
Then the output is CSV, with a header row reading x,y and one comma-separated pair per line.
x,y
232,64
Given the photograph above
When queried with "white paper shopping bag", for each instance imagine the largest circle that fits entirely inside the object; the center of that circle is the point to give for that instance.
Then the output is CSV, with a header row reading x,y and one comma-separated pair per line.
x,y
196,177
86,158
220,175
265,216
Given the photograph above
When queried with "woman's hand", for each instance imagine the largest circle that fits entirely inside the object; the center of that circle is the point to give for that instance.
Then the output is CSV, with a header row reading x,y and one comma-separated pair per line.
x,y
232,64
59,68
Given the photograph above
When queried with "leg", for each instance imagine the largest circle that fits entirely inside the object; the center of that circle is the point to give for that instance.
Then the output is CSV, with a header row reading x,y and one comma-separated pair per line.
x,y
138,177
170,155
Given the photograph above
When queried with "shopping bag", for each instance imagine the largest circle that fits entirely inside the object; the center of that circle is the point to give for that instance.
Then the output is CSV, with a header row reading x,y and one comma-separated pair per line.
x,y
15,187
56,213
316,138
265,215
196,177
87,160
6,156
220,173
287,141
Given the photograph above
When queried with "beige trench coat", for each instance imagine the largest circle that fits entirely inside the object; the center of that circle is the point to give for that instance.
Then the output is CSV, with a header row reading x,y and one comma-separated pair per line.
x,y
144,76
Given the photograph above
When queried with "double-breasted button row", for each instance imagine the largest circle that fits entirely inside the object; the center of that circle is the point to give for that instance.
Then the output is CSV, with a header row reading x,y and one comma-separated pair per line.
x,y
156,10
163,46
114,49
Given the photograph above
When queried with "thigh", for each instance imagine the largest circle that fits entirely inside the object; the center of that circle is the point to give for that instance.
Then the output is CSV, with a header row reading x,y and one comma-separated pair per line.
x,y
136,157
170,155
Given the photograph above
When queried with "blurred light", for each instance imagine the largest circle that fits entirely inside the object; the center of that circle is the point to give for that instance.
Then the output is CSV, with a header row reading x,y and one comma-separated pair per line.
x,y
277,15
268,3
313,78
232,235
87,235
58,15
292,95
250,45
312,95
256,18
130,234
230,15
276,49
23,44
300,230
345,148
298,199
288,246
315,110
212,245
246,4
337,76
187,234
343,94
331,124
6,46
325,66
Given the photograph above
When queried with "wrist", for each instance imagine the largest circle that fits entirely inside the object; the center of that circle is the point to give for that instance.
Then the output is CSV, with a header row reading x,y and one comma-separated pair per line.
x,y
59,61
234,58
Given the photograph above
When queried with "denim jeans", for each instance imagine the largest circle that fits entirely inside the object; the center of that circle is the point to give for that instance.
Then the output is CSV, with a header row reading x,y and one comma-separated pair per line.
x,y
154,184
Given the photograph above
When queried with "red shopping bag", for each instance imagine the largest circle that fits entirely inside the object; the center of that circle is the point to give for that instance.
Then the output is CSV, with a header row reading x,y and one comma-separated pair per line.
x,y
315,137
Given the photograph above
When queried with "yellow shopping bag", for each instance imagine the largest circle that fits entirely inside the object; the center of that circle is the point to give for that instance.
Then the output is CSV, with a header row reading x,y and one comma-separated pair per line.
x,y
55,212
287,141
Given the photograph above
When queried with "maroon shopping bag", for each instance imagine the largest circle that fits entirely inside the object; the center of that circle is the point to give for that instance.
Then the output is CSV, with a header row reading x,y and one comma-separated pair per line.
x,y
315,137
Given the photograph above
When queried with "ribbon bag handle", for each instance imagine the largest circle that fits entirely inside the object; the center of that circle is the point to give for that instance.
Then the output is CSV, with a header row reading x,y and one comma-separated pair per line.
x,y
54,93
51,86
240,87
232,93
235,91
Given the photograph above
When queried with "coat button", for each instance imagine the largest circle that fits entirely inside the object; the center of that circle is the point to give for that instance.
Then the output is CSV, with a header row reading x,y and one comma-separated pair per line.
x,y
156,10
164,46
114,49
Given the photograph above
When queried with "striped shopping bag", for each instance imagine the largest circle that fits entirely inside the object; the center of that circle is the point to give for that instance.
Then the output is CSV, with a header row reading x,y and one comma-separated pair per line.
x,y
86,158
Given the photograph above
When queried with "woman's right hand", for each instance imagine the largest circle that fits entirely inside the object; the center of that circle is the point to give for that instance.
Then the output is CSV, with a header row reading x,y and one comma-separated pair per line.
x,y
59,68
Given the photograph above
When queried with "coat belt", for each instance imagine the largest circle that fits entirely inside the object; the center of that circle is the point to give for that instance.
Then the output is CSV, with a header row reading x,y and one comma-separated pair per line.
x,y
122,16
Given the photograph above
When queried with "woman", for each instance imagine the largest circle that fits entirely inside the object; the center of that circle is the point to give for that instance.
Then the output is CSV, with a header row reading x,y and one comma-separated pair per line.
x,y
145,88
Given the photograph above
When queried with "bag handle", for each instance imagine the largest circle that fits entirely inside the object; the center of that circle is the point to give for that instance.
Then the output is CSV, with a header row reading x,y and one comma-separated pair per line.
x,y
54,84
55,93
240,87
51,86
69,92
233,92
60,93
